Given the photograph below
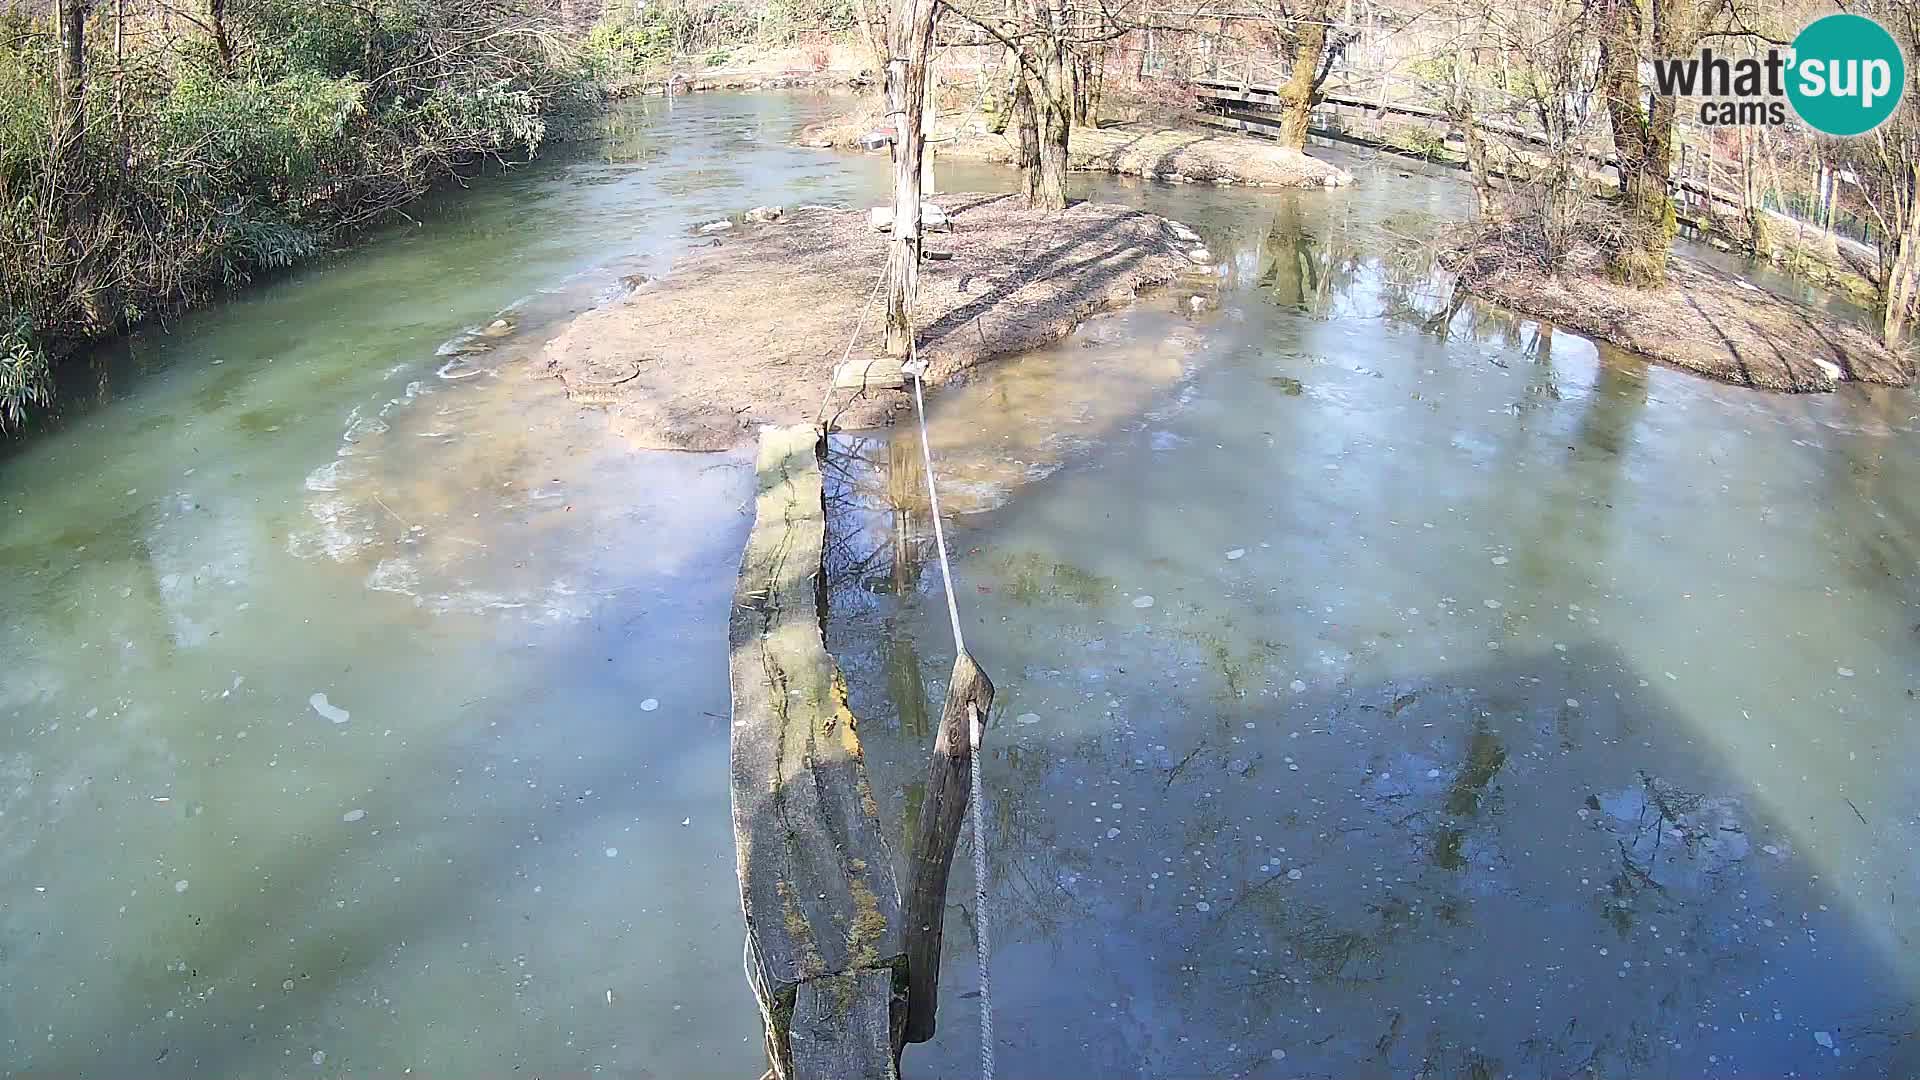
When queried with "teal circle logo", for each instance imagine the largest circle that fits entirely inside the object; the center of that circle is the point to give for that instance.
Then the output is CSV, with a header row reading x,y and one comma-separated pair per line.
x,y
1847,75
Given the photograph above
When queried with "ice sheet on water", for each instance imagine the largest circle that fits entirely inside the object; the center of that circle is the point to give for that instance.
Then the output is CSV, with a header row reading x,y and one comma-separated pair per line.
x,y
340,528
360,427
395,575
326,477
327,709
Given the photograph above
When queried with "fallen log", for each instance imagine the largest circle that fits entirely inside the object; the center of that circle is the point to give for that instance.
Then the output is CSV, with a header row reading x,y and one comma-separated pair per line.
x,y
824,948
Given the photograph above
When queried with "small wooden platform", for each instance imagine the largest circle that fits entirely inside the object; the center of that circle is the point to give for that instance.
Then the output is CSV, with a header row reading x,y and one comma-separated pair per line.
x,y
824,945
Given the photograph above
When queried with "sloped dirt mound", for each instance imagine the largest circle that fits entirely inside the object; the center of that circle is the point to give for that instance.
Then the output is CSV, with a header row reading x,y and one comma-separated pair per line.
x,y
748,331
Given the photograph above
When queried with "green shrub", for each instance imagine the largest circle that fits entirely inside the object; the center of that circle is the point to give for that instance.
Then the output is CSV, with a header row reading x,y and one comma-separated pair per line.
x,y
1416,139
706,32
620,46
25,379
333,115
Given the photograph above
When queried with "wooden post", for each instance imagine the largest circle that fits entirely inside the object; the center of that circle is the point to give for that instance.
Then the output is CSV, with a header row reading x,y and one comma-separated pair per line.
x,y
929,122
949,776
910,40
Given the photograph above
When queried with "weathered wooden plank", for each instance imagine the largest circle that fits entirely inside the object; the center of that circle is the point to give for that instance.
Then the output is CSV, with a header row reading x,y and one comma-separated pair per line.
x,y
949,779
870,373
816,879
842,1027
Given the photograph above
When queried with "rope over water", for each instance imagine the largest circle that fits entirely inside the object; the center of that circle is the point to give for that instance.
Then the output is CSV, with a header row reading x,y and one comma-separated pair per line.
x,y
976,723
980,947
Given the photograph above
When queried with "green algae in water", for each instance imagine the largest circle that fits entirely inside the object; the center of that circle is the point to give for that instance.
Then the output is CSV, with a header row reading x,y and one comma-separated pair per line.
x,y
1447,853
1485,756
1032,578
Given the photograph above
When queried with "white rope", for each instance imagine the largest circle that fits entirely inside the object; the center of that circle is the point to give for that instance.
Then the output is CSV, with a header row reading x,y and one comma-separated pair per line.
x,y
933,499
858,324
980,947
976,723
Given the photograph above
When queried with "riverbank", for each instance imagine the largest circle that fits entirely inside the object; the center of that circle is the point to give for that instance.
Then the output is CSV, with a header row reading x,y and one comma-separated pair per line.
x,y
1794,247
206,172
748,331
817,65
1703,320
739,79
1153,151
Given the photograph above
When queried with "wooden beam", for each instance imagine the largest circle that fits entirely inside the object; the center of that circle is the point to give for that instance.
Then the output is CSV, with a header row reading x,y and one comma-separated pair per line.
x,y
817,887
949,777
842,1029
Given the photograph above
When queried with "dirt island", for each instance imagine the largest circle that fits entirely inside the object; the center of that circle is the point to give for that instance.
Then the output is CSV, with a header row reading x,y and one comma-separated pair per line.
x,y
1702,319
1176,153
749,329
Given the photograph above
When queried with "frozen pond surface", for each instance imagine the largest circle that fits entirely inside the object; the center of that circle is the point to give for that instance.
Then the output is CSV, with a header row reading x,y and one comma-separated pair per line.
x,y
1496,709
1389,687
328,632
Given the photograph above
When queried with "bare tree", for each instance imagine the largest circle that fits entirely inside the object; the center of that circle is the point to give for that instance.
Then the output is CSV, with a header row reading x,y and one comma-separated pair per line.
x,y
1887,165
222,40
873,31
1643,135
1642,138
909,49
1042,70
1057,56
1463,105
1315,44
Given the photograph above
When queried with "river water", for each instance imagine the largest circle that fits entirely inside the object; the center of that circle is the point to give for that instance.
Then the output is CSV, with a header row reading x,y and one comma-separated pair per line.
x,y
1386,687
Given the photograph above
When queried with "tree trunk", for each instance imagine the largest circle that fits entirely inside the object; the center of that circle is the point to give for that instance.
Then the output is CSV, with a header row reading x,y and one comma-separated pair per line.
x,y
1643,145
122,150
1096,86
1462,109
1026,119
911,41
222,41
1089,71
1055,106
1056,129
1298,94
1079,76
1897,294
70,27
1477,163
1752,218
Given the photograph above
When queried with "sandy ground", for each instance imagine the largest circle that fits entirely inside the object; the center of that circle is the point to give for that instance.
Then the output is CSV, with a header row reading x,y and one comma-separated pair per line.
x,y
1152,151
749,330
1706,321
